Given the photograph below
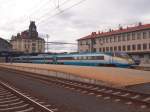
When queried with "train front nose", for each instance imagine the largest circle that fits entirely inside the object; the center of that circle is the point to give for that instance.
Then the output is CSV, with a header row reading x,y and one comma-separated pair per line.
x,y
130,61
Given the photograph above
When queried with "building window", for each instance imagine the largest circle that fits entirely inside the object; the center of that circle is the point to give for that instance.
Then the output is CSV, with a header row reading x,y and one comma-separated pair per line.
x,y
115,38
144,46
111,48
100,40
128,36
141,56
138,35
119,48
123,37
133,47
103,40
80,42
100,49
25,46
87,43
94,49
107,48
33,44
104,49
128,47
33,49
115,48
107,40
110,39
144,35
119,38
94,41
133,36
124,48
139,46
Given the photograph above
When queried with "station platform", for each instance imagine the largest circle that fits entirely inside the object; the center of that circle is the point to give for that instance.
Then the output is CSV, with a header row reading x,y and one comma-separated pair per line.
x,y
120,77
145,67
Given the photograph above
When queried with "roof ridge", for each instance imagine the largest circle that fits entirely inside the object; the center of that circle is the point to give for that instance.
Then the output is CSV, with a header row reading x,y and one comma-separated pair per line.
x,y
113,32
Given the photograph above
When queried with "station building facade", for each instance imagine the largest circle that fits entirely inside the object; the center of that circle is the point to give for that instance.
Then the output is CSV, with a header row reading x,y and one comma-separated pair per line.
x,y
5,45
28,41
133,40
5,48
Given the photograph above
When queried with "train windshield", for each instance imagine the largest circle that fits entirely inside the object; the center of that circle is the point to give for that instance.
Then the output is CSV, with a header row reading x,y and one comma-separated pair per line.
x,y
122,55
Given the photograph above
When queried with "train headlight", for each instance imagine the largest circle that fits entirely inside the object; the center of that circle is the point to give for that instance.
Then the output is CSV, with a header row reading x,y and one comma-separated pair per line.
x,y
130,61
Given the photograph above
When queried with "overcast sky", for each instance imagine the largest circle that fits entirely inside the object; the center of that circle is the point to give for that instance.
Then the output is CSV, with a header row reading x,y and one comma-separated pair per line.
x,y
68,22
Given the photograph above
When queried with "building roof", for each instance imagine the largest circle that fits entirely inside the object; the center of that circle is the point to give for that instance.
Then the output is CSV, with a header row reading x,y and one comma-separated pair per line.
x,y
4,41
25,35
113,32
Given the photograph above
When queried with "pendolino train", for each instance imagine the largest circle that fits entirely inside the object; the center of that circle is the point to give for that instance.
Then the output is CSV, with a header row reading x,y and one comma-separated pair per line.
x,y
118,59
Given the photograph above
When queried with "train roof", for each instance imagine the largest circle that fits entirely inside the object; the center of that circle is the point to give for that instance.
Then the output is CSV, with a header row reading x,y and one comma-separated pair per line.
x,y
68,55
85,54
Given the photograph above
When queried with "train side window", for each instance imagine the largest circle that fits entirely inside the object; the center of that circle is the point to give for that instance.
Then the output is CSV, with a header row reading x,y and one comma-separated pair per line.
x,y
89,57
93,57
75,58
79,58
98,58
84,57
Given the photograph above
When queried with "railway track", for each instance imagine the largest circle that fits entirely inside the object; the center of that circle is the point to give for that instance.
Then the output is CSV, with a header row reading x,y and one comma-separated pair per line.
x,y
140,100
12,100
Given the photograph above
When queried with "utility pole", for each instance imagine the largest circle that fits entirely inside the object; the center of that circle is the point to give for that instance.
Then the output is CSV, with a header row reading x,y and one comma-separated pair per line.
x,y
58,4
47,36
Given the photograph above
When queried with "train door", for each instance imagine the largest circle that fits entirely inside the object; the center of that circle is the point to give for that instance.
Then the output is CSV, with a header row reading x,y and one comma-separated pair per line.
x,y
54,60
111,59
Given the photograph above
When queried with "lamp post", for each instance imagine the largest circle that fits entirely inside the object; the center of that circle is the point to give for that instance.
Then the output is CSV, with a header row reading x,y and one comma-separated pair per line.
x,y
47,36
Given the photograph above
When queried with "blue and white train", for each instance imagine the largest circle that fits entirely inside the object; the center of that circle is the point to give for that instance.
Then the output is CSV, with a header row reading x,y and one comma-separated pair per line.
x,y
118,59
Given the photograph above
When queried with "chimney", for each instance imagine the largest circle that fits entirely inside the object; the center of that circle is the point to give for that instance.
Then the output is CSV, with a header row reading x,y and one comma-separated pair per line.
x,y
140,24
93,34
120,27
127,27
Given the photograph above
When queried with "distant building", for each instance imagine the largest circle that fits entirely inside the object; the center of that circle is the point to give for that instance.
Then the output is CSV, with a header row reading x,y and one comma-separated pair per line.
x,y
5,45
28,41
133,40
5,48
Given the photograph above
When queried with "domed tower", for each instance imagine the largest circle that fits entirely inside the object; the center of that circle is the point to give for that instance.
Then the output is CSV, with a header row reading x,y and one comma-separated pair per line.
x,y
32,30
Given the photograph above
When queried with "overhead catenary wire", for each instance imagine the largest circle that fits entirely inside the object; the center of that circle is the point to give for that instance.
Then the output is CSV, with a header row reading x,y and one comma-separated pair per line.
x,y
61,11
61,43
32,12
47,13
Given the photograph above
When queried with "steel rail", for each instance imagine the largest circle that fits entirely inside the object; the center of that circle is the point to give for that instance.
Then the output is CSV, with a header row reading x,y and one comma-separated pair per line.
x,y
79,85
25,98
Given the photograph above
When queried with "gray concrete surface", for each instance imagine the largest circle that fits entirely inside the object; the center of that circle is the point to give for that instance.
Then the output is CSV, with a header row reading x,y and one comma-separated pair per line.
x,y
67,100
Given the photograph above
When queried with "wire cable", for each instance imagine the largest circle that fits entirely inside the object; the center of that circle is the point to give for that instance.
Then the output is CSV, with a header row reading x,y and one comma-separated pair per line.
x,y
62,11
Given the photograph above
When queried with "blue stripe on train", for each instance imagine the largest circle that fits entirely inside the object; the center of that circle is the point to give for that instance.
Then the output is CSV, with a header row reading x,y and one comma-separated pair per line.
x,y
88,63
81,63
96,64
